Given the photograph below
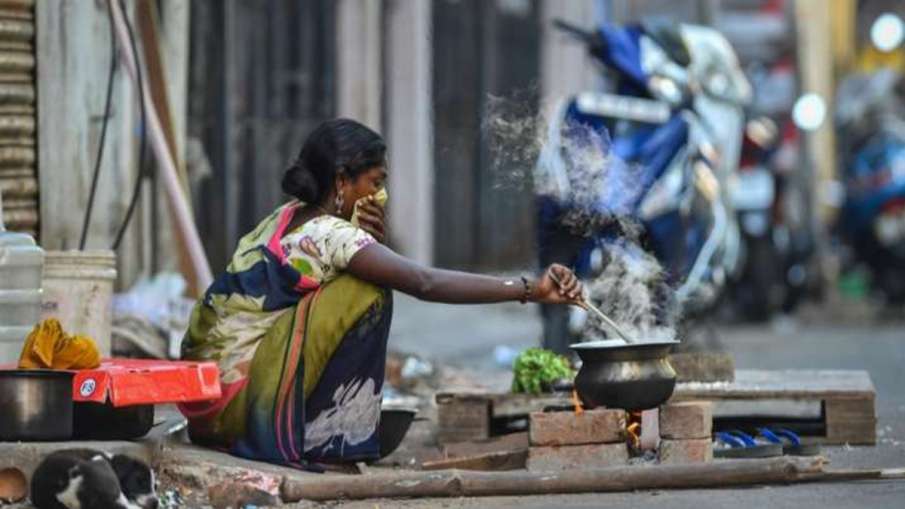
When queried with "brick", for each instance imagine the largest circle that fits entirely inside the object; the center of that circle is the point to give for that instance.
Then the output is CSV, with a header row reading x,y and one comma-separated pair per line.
x,y
598,426
679,452
686,420
568,457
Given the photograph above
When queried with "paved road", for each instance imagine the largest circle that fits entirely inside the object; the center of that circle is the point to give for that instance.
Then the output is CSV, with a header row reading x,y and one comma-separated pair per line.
x,y
466,336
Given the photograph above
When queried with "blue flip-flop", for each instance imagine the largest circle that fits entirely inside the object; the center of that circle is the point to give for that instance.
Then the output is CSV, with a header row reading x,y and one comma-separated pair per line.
x,y
739,444
790,441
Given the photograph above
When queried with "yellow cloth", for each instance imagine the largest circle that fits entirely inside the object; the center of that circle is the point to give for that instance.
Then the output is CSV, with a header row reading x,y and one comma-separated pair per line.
x,y
48,346
380,197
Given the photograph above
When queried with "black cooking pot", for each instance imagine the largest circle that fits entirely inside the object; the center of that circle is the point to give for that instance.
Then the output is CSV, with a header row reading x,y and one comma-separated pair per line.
x,y
614,374
36,405
394,424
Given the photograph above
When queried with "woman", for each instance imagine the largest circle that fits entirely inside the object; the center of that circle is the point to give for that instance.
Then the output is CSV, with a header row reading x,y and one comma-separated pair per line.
x,y
298,323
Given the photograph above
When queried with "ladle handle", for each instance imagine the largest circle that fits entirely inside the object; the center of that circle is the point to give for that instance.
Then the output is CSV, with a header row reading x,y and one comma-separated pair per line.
x,y
587,305
584,304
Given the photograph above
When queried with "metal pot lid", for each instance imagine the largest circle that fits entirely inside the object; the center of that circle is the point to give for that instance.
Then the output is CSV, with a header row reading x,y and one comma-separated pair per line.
x,y
618,343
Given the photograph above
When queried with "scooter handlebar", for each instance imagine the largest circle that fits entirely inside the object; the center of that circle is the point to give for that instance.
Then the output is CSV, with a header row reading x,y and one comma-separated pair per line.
x,y
574,30
595,43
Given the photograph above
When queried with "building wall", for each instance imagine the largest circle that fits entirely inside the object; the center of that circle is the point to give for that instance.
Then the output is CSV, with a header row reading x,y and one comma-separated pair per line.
x,y
262,76
408,122
73,53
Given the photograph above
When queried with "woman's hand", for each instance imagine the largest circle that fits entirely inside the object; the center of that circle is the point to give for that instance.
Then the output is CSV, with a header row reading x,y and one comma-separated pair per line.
x,y
371,217
558,285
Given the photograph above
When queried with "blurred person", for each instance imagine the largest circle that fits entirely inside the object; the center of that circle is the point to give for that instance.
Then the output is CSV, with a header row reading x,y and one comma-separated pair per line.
x,y
299,321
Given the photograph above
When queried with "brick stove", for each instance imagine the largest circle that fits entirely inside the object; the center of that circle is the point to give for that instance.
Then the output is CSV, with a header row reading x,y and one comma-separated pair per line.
x,y
598,438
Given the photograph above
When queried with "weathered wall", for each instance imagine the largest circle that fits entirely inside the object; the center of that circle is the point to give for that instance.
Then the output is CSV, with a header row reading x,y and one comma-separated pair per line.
x,y
73,56
261,77
74,52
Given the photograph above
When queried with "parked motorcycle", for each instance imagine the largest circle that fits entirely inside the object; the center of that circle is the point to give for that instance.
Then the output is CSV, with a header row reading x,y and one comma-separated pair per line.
x,y
777,273
758,289
659,153
870,117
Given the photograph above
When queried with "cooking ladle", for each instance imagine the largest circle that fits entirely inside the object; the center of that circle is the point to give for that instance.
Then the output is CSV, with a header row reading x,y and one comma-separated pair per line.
x,y
585,304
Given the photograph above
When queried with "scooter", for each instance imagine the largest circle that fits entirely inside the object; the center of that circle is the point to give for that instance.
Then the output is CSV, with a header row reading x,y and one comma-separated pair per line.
x,y
871,122
676,124
776,273
758,290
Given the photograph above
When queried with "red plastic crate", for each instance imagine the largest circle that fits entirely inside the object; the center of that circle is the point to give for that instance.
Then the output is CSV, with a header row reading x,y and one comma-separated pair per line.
x,y
126,382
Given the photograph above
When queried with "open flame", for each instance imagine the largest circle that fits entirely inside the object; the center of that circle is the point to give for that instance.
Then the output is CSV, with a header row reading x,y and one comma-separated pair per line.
x,y
576,402
633,429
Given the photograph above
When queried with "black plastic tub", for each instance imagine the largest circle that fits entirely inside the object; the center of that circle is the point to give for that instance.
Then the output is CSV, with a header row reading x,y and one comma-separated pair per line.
x,y
35,405
103,421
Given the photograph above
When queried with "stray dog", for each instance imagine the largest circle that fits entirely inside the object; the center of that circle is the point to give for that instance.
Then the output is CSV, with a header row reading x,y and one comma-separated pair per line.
x,y
89,479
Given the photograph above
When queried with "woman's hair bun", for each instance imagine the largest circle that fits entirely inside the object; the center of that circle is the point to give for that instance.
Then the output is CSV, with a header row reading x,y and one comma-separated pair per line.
x,y
300,182
338,143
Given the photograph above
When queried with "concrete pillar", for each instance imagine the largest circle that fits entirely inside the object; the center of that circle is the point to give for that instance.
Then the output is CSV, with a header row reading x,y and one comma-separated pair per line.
x,y
815,63
409,128
358,61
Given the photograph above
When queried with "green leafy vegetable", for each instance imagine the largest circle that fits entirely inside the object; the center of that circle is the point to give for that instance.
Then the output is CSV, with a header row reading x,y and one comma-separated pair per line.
x,y
536,368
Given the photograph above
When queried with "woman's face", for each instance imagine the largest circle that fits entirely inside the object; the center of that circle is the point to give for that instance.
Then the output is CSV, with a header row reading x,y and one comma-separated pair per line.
x,y
366,183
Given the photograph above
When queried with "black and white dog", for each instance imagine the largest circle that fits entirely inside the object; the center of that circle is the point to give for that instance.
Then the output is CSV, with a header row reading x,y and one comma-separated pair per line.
x,y
89,479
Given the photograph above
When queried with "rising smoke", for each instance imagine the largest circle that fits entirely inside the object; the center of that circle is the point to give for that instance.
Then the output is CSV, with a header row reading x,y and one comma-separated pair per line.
x,y
573,164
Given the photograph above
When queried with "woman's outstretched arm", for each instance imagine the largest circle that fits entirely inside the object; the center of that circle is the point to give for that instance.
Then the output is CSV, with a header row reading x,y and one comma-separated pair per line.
x,y
380,265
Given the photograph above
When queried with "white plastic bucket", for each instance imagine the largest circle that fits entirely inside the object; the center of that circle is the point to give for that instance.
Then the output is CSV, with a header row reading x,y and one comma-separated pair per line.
x,y
21,264
78,291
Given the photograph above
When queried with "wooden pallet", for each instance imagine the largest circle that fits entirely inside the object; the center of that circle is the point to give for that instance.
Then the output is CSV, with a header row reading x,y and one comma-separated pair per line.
x,y
846,399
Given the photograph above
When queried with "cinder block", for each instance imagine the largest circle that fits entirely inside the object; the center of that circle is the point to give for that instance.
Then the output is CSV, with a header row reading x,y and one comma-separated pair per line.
x,y
686,420
678,452
598,426
568,457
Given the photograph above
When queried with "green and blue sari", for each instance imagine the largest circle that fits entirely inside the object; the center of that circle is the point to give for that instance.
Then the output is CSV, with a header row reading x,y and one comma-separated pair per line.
x,y
301,364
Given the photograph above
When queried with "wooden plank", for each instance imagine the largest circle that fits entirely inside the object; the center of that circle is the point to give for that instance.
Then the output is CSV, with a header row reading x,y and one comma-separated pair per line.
x,y
703,366
514,405
492,461
850,409
502,443
790,384
855,432
852,421
847,396
461,418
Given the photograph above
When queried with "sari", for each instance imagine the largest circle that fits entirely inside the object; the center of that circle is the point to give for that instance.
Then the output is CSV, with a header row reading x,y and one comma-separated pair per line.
x,y
301,361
